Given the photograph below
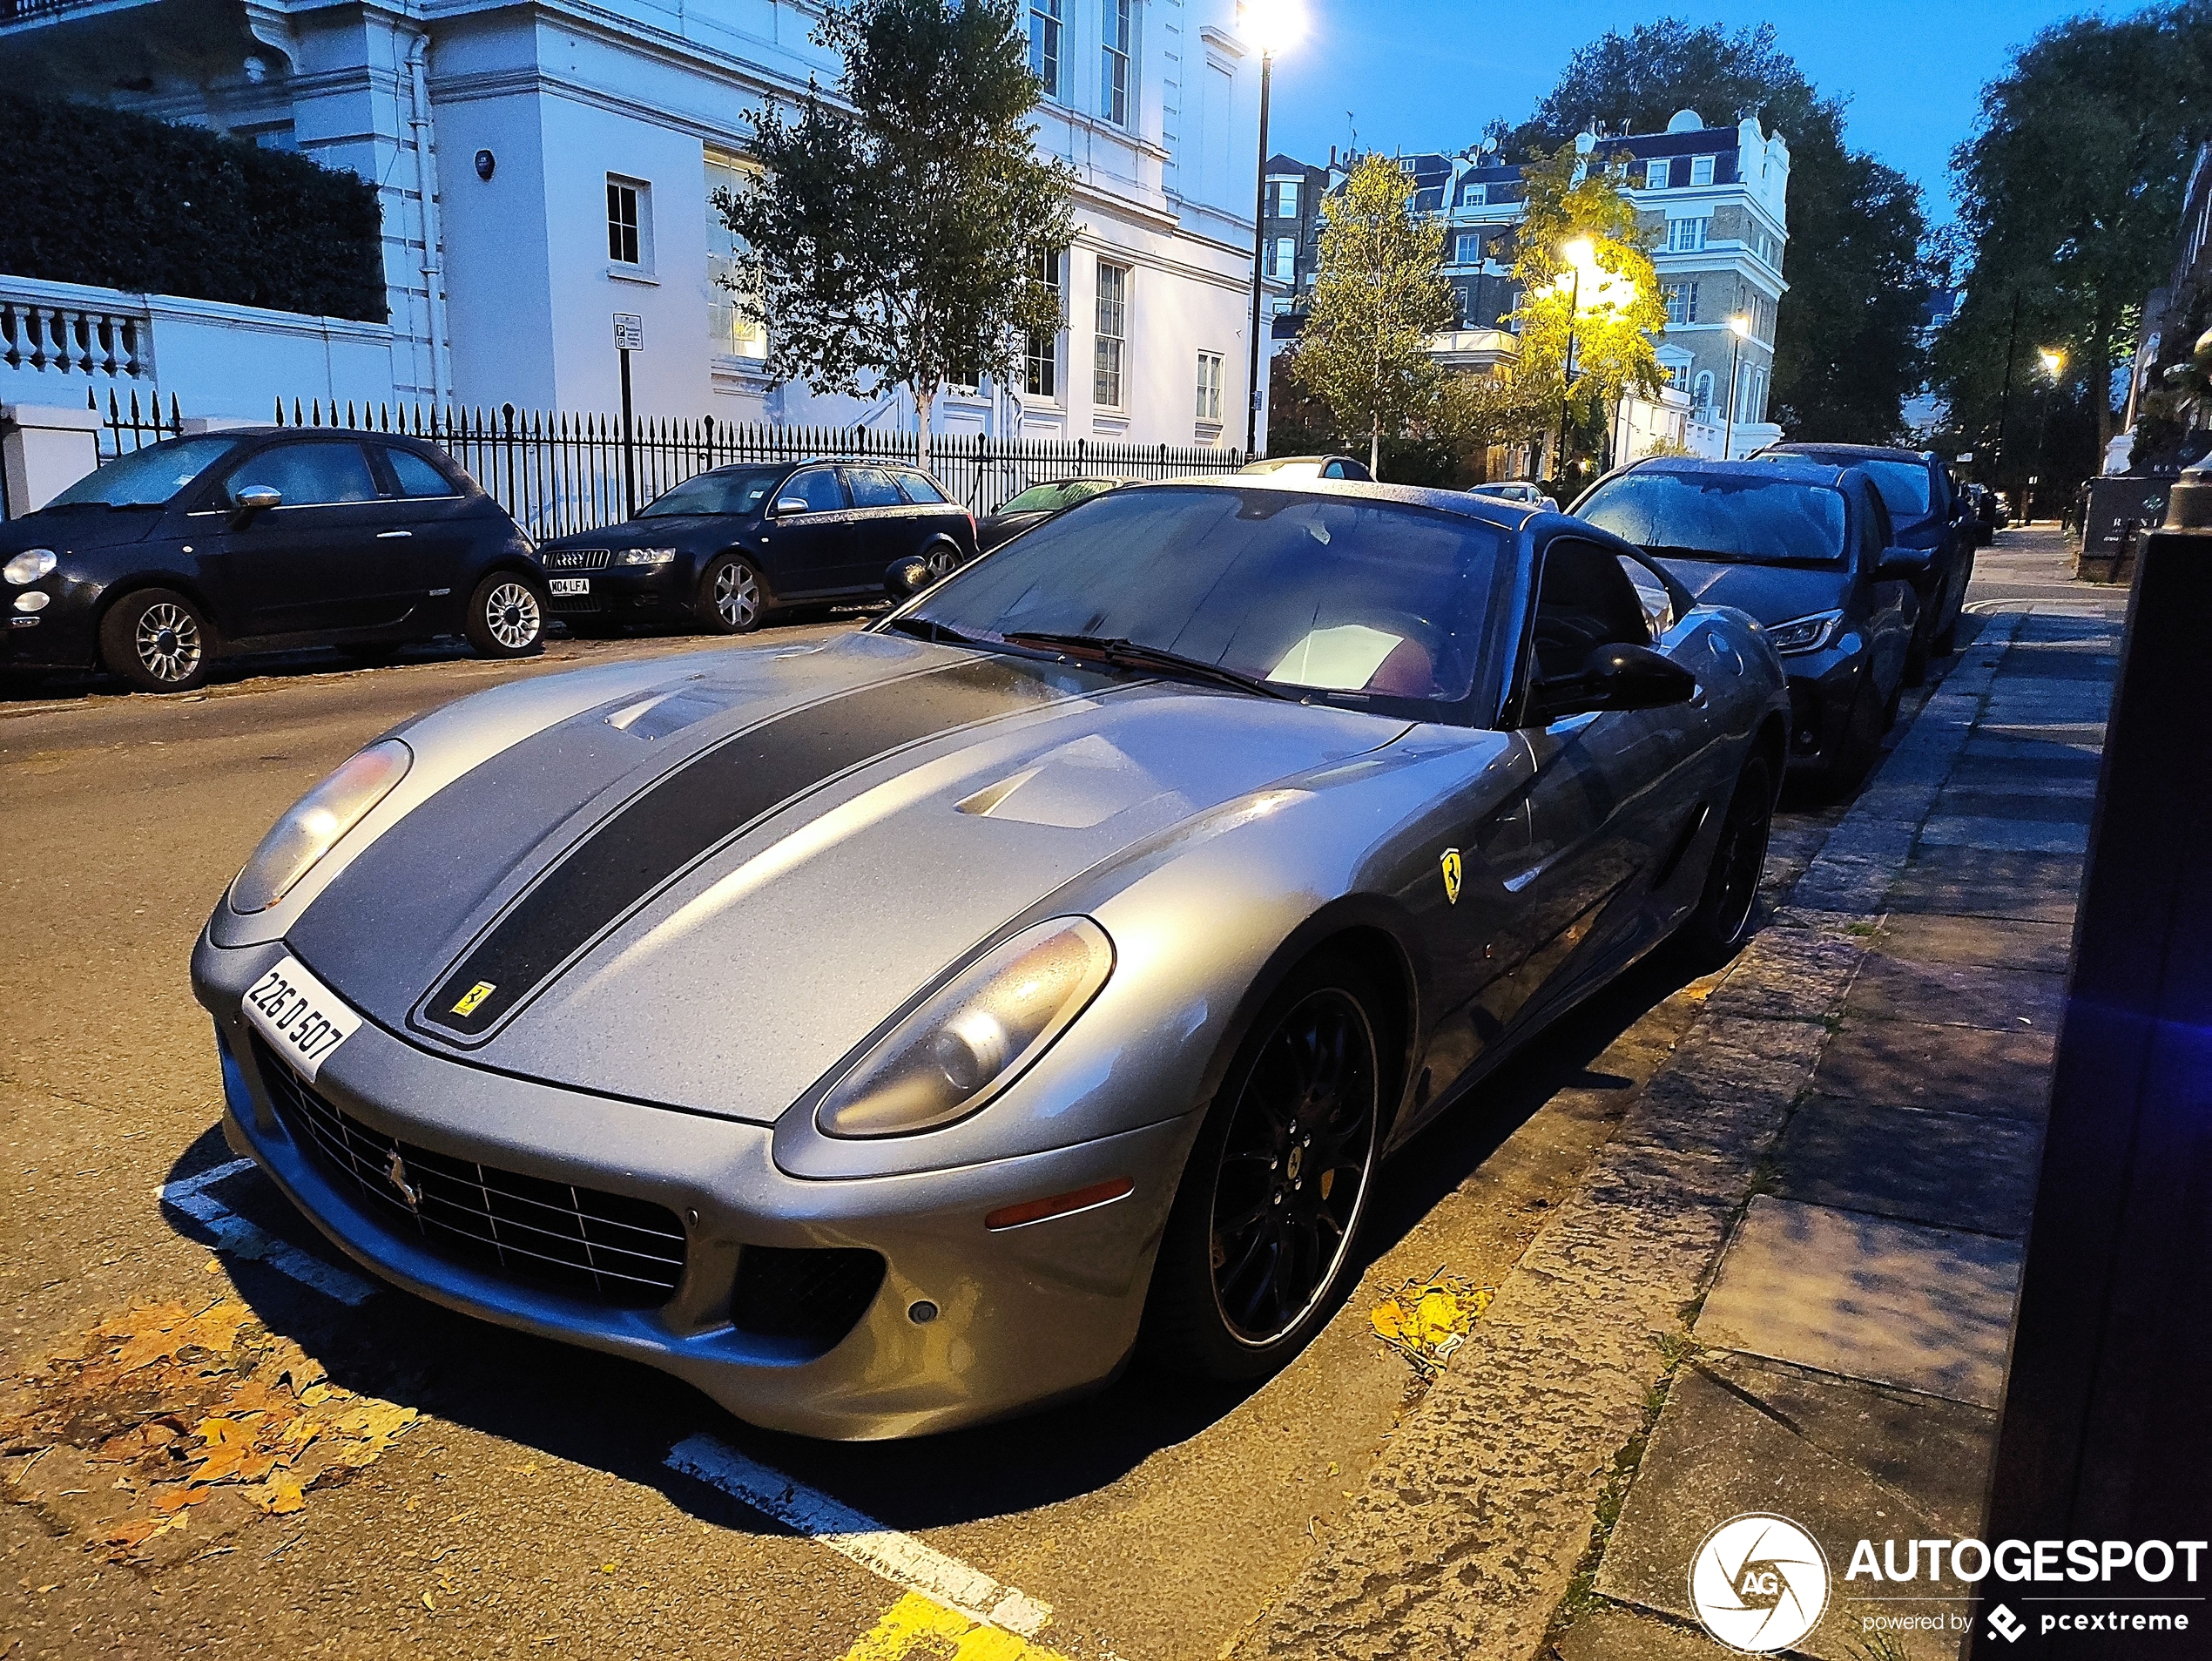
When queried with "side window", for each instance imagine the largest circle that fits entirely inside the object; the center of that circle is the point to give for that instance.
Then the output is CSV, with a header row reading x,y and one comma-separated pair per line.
x,y
1334,470
919,489
308,475
1873,528
817,487
1584,601
416,477
871,488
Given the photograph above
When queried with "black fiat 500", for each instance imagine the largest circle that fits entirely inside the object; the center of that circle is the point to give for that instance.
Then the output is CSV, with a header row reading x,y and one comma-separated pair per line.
x,y
727,548
262,539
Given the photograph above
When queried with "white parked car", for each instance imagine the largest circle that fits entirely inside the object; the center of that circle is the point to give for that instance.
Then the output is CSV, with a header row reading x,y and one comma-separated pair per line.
x,y
1519,490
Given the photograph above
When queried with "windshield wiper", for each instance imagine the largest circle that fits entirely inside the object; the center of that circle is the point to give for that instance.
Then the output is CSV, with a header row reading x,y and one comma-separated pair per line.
x,y
1128,654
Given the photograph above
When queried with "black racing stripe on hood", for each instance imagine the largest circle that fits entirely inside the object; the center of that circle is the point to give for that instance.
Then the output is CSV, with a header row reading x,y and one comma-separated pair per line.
x,y
680,819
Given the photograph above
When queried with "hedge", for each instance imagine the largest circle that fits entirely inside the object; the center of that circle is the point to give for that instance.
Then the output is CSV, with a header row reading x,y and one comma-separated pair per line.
x,y
120,200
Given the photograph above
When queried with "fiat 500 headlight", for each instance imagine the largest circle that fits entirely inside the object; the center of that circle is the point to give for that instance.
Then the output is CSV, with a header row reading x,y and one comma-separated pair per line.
x,y
644,556
978,1034
314,824
29,565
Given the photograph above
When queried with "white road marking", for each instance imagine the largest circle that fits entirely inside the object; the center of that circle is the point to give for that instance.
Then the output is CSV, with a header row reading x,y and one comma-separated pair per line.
x,y
240,1238
899,1558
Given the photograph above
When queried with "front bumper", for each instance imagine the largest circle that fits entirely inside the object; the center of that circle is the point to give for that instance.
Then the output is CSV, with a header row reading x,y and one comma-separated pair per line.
x,y
1025,1315
63,635
622,592
1823,688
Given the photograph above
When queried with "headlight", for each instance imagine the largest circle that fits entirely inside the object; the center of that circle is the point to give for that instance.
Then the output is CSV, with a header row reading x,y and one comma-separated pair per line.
x,y
315,822
29,565
976,1037
644,556
34,601
1804,634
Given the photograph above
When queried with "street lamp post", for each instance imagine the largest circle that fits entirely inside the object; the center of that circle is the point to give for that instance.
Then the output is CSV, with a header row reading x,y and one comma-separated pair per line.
x,y
1577,253
2054,366
1274,24
1739,329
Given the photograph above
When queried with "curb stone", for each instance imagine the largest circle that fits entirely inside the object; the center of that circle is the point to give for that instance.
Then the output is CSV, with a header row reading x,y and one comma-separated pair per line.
x,y
1470,1528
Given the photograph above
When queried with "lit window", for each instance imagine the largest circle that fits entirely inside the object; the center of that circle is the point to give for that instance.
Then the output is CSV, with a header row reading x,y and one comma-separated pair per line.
x,y
1112,324
1209,386
1113,104
1655,174
1700,170
1044,44
1042,368
628,235
1686,236
734,332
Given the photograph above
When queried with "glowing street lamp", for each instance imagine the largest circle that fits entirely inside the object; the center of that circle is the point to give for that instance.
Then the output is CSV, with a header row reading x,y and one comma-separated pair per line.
x,y
1581,254
1273,25
1739,329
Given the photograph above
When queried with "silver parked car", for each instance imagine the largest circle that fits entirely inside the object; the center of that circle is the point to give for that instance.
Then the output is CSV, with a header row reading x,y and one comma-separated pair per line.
x,y
890,1032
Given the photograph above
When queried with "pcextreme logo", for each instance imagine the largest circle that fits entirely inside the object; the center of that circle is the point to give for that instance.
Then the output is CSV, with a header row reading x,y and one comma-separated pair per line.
x,y
1759,1583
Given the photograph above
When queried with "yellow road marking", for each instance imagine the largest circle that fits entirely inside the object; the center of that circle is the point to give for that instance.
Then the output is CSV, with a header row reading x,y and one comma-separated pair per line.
x,y
916,1629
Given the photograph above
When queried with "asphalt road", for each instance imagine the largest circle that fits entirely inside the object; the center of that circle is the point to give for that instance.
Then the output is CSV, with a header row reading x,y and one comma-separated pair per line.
x,y
530,1507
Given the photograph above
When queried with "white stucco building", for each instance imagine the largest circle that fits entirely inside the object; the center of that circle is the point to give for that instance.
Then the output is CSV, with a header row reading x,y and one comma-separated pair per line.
x,y
545,165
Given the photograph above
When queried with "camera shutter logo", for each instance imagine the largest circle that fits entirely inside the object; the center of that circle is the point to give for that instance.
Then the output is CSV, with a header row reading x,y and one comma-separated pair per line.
x,y
1759,1583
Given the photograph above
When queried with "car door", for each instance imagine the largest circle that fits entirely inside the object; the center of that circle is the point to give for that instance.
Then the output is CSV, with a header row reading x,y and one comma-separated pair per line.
x,y
804,547
940,514
433,527
314,562
1601,816
885,527
1891,603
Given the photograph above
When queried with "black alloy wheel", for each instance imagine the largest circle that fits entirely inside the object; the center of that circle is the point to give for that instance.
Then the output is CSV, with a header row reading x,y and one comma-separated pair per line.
x,y
1722,921
155,641
1262,1226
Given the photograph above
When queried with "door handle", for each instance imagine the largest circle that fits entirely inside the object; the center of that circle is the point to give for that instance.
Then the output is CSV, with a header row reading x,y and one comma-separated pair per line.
x,y
382,535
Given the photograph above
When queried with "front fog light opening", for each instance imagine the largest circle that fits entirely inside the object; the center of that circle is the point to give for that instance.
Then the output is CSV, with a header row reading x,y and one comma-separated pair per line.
x,y
968,1042
37,600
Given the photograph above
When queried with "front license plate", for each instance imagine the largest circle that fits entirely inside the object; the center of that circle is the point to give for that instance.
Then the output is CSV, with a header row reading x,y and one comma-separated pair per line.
x,y
564,588
300,1017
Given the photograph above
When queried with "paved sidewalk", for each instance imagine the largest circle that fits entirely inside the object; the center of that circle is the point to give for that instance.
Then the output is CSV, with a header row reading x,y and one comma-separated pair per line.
x,y
1805,1239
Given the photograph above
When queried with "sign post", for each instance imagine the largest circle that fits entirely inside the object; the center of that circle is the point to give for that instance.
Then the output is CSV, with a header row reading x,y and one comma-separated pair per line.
x,y
629,336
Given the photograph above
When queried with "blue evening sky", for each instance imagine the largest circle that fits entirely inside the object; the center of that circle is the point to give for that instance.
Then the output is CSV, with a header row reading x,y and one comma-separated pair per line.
x,y
1426,75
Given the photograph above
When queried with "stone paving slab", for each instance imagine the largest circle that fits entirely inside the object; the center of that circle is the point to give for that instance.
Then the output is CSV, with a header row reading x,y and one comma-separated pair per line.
x,y
1959,1070
2070,806
1904,1304
1955,994
1985,883
1957,1170
2046,947
1844,1460
2021,835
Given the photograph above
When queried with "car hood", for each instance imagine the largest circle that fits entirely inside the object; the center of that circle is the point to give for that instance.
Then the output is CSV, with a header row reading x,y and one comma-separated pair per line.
x,y
996,528
1769,593
706,891
674,528
67,529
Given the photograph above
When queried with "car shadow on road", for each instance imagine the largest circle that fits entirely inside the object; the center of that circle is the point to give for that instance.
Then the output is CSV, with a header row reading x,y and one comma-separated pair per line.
x,y
623,1417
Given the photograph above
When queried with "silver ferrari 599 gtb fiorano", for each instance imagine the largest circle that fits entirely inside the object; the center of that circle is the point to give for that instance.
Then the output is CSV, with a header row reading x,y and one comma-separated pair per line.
x,y
891,1031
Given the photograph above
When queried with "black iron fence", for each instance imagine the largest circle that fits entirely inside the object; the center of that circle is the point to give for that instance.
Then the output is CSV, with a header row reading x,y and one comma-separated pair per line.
x,y
558,473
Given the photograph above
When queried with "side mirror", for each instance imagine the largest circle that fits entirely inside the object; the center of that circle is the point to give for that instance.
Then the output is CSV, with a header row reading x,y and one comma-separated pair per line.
x,y
1902,564
793,504
906,578
257,498
1615,677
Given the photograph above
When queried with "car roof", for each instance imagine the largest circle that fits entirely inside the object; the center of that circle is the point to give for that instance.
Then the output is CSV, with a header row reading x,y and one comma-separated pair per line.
x,y
1869,452
1490,510
1767,464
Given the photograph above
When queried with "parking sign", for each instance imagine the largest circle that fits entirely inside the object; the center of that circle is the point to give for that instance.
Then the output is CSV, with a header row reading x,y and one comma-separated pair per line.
x,y
630,332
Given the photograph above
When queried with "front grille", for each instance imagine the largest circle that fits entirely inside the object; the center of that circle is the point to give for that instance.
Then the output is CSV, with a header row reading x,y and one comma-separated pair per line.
x,y
610,1248
570,604
815,1294
575,559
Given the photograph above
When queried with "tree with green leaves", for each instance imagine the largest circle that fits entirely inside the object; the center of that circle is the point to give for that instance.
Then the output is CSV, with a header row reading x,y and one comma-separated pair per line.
x,y
1380,298
2070,196
1847,353
1585,275
893,233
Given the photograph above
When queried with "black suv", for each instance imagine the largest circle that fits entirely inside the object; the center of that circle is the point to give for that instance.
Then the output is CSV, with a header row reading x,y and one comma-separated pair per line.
x,y
725,547
261,539
1928,512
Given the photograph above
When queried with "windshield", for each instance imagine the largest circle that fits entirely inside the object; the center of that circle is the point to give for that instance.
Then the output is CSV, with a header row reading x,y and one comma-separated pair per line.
x,y
145,478
1301,467
736,491
1903,485
1347,599
1061,493
1723,516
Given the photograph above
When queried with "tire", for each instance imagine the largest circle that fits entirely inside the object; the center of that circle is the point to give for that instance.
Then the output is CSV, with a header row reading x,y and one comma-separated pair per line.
x,y
944,559
1858,750
1258,1245
732,599
1915,661
1722,920
506,616
157,641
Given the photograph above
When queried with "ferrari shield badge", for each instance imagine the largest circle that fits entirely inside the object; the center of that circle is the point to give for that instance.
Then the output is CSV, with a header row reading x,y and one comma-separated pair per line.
x,y
1451,870
483,989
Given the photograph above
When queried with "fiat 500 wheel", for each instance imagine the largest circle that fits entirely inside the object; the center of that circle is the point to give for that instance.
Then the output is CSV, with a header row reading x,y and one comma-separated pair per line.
x,y
157,642
506,616
1259,1241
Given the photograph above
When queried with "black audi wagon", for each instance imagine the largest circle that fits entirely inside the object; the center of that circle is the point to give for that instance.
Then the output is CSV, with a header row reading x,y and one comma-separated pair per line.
x,y
261,539
724,548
